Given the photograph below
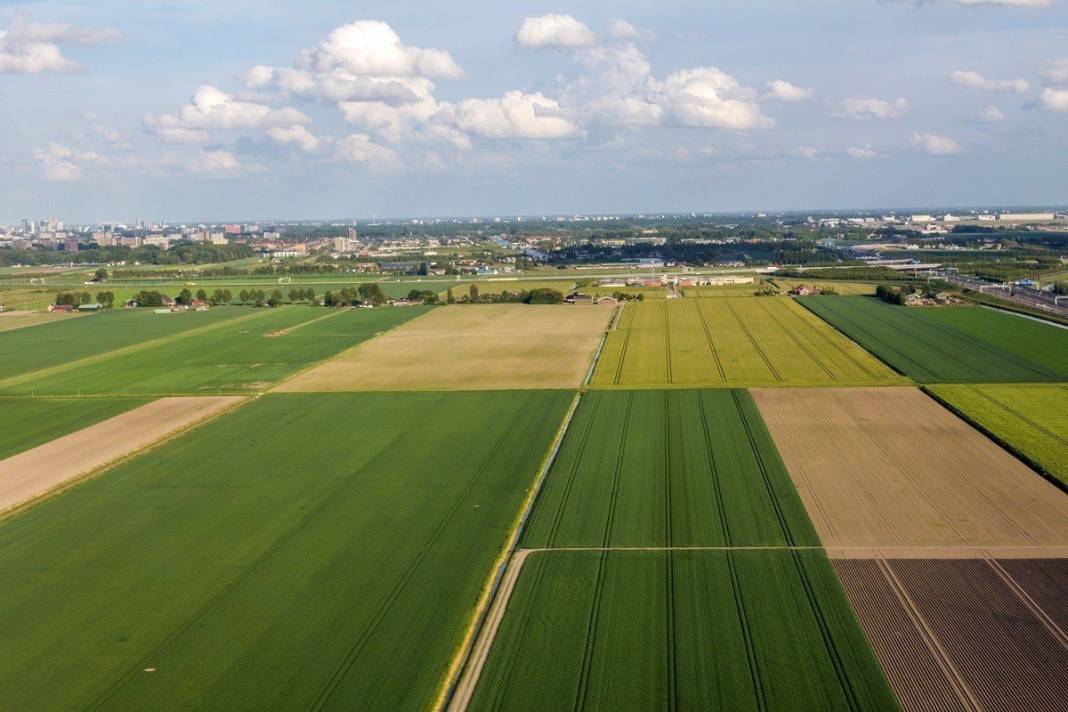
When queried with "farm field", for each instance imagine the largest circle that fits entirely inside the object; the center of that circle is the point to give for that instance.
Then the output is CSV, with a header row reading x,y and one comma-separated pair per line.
x,y
496,286
301,568
892,470
726,290
1031,419
733,342
843,288
478,347
246,354
28,422
667,468
67,340
21,319
950,344
659,630
966,634
39,470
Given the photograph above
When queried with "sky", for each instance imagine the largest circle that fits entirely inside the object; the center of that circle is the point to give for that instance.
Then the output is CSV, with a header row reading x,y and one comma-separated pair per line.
x,y
180,110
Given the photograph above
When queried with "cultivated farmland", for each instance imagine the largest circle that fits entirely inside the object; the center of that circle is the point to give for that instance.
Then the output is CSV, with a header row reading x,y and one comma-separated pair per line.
x,y
953,344
245,354
21,319
274,560
890,469
493,346
659,630
966,634
28,422
730,341
1030,419
668,468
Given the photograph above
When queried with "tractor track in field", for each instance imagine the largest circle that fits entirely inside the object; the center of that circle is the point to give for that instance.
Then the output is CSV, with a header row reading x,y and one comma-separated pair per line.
x,y
711,342
753,341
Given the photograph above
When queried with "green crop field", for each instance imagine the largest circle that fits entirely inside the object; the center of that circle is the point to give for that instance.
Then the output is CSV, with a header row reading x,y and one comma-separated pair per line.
x,y
681,630
668,468
304,551
28,422
950,344
741,341
1031,419
248,353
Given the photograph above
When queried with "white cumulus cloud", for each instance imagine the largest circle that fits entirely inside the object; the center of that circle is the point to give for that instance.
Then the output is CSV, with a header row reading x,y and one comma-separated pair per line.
x,y
708,97
32,48
1057,71
991,115
554,32
360,148
59,163
212,108
514,115
1054,100
785,91
862,153
936,145
862,108
975,80
295,134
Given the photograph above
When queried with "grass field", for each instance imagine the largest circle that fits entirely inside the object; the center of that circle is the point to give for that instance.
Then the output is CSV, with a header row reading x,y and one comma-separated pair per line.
x,y
890,468
303,551
496,286
1031,419
668,468
730,341
682,630
21,319
29,422
246,354
951,344
475,347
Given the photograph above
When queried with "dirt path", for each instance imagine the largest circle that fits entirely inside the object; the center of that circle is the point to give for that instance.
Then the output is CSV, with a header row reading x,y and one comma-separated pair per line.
x,y
465,688
34,473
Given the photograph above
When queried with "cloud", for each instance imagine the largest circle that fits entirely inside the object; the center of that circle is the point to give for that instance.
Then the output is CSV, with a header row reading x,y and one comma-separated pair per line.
x,y
32,48
991,115
554,32
59,163
514,115
1004,3
863,108
862,153
212,108
785,91
708,97
1054,100
806,152
295,134
1057,71
360,148
975,80
623,30
936,145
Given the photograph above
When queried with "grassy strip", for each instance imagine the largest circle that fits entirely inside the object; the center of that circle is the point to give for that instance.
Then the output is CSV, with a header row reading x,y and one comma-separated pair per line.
x,y
988,300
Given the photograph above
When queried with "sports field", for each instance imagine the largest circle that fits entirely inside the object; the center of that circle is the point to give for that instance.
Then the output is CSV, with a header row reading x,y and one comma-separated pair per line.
x,y
245,354
1030,419
656,630
478,347
668,468
950,344
730,341
891,469
29,422
272,560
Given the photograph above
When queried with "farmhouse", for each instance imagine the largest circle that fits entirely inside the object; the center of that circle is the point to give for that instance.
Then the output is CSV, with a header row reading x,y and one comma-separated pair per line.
x,y
576,298
802,290
60,308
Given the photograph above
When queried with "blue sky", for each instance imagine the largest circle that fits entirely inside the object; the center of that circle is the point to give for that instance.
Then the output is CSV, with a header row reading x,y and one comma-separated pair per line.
x,y
186,110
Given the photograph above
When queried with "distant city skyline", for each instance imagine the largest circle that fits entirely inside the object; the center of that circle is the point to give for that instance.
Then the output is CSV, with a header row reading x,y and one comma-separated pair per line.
x,y
196,111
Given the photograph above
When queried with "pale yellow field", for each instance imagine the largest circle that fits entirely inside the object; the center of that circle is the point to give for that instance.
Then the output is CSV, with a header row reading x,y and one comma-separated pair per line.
x,y
477,347
843,288
18,319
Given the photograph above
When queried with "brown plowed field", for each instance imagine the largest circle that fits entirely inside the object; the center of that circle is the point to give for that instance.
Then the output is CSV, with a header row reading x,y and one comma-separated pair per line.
x,y
32,473
964,634
890,467
493,346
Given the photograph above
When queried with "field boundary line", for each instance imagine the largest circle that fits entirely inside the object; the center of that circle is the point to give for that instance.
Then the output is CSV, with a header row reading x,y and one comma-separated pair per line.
x,y
1009,409
941,657
1038,468
711,343
623,350
132,348
753,341
462,656
96,472
1036,610
290,329
797,341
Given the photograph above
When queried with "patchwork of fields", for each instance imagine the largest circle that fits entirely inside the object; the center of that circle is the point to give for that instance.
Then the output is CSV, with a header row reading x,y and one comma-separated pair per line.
x,y
483,347
302,569
950,345
28,422
21,319
730,341
1031,419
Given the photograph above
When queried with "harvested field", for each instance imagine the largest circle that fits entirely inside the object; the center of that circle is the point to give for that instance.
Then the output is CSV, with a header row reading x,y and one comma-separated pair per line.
x,y
271,560
37,471
477,347
1031,419
966,634
667,468
733,342
667,630
29,422
20,319
247,354
891,468
950,344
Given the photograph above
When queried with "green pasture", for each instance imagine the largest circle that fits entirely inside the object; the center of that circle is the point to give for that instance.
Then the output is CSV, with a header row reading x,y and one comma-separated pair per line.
x,y
28,422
